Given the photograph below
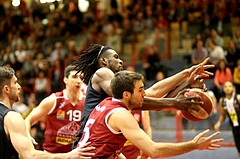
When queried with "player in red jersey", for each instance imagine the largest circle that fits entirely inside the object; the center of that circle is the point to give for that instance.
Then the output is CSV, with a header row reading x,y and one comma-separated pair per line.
x,y
14,142
111,123
64,111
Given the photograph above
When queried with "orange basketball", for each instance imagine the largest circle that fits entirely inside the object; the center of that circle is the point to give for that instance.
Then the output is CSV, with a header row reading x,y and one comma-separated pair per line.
x,y
204,110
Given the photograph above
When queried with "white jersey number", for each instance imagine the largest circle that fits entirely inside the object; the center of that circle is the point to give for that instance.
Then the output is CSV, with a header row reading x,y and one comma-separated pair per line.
x,y
74,115
86,132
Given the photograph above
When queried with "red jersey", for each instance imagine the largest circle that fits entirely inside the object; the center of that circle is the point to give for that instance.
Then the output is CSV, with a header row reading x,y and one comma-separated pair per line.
x,y
106,140
62,123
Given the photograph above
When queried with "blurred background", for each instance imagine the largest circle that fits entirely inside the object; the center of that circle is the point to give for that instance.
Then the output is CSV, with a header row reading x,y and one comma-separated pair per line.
x,y
157,38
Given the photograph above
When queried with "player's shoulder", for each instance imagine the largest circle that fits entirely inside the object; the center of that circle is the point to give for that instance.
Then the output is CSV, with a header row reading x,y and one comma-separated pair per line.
x,y
238,97
104,73
13,117
104,70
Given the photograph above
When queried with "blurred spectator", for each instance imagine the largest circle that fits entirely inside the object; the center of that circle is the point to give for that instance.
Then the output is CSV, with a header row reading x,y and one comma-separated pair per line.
x,y
216,38
114,37
236,76
199,53
56,75
233,54
41,63
206,22
41,86
59,53
236,38
216,53
223,74
9,57
20,54
150,21
160,76
151,63
197,37
71,52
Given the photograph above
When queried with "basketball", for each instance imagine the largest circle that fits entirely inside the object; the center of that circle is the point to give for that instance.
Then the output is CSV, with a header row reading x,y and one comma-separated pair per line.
x,y
204,110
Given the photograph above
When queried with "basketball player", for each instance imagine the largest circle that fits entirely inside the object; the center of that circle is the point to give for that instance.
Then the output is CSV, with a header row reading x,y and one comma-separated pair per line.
x,y
13,137
99,63
111,123
63,110
230,106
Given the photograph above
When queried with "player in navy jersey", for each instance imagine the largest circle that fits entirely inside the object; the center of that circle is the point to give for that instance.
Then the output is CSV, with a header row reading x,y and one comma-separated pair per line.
x,y
111,123
64,111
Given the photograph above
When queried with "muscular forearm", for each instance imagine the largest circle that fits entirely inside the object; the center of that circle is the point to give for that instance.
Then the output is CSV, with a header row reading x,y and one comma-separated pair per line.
x,y
172,149
162,87
175,91
157,103
28,125
41,154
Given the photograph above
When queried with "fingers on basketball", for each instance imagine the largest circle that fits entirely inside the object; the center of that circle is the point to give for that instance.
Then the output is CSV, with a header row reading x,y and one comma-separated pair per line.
x,y
200,112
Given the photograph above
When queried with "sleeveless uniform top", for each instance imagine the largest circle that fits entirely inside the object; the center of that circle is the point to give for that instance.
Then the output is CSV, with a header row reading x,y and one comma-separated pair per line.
x,y
137,115
7,150
62,124
93,98
236,106
106,140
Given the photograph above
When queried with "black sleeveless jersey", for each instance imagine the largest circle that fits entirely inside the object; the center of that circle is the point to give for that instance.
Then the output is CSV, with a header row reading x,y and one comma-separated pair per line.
x,y
7,150
236,105
93,98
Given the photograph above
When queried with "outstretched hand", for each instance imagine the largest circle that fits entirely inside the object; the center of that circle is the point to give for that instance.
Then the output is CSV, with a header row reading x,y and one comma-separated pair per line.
x,y
187,103
207,143
82,152
200,69
198,74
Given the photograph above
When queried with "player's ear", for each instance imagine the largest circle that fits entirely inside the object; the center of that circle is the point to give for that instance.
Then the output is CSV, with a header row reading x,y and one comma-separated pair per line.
x,y
6,88
65,80
103,61
126,95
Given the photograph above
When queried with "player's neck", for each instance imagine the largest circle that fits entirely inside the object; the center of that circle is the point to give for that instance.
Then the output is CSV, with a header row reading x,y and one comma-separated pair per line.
x,y
6,103
73,96
229,96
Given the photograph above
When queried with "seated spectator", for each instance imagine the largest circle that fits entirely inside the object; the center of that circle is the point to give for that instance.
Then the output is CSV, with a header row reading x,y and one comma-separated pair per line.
x,y
199,53
233,54
216,53
218,40
222,75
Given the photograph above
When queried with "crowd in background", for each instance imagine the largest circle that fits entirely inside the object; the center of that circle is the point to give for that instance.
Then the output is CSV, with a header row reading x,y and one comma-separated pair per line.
x,y
39,40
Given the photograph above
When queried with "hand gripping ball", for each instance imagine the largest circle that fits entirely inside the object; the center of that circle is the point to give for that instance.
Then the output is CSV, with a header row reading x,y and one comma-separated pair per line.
x,y
202,111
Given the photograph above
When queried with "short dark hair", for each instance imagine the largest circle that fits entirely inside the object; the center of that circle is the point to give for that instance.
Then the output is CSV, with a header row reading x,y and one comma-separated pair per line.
x,y
87,61
68,69
124,81
6,73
